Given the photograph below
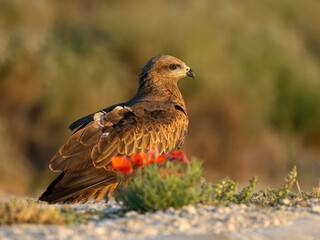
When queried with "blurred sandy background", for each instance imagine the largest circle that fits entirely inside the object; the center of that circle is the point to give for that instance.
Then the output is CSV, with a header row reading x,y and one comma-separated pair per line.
x,y
254,106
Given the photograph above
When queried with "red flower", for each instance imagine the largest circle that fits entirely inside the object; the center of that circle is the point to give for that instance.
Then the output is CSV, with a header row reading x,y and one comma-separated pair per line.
x,y
122,164
142,159
139,159
161,158
179,155
153,156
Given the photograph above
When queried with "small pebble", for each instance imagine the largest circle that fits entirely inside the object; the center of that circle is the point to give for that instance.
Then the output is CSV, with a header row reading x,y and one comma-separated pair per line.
x,y
276,222
150,232
303,204
131,213
315,209
285,201
100,231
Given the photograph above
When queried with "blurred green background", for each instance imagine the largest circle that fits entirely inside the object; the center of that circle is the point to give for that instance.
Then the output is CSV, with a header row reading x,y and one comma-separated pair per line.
x,y
254,106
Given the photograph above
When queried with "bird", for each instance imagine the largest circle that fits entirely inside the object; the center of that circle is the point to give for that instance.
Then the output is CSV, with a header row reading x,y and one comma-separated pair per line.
x,y
154,119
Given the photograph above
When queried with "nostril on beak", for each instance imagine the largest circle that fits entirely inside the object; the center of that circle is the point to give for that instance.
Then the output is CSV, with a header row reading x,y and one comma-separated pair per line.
x,y
187,69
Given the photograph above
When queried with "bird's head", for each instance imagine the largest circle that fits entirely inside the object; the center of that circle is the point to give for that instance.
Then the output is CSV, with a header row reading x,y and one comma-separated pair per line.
x,y
158,78
165,67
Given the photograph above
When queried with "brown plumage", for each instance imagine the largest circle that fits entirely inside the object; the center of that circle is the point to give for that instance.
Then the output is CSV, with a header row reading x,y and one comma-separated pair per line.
x,y
155,118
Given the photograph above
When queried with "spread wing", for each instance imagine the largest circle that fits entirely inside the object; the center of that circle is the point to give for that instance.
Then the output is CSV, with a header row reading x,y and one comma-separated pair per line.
x,y
123,131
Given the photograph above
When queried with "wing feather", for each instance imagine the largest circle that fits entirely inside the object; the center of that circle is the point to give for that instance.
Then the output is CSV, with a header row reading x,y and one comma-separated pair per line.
x,y
121,147
121,132
129,148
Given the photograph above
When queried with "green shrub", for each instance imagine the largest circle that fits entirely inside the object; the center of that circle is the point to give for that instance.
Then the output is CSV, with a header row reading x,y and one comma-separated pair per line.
x,y
315,193
223,192
219,193
275,196
154,188
246,193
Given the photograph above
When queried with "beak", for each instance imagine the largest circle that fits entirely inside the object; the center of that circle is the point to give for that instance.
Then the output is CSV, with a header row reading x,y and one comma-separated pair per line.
x,y
190,73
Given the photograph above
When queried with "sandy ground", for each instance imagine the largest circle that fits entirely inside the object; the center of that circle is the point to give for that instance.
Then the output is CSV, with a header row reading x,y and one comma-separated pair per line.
x,y
202,222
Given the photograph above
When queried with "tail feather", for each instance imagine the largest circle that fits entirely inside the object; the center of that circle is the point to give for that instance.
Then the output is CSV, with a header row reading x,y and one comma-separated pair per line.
x,y
73,188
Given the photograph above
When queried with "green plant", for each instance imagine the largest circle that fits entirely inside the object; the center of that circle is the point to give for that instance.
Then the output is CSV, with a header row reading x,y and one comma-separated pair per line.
x,y
315,193
220,193
158,188
29,211
275,196
246,193
223,192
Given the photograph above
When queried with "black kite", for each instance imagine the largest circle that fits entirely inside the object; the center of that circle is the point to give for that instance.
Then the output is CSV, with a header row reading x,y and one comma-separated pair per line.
x,y
155,118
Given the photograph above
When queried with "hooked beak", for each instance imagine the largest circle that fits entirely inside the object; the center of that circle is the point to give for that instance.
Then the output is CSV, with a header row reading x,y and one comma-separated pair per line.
x,y
190,73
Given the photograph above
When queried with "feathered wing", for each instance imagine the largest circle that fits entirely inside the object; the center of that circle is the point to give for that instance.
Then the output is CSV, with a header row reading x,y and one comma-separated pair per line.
x,y
83,160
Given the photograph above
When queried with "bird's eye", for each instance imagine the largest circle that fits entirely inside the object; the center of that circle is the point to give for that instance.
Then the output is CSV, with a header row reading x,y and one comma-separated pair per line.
x,y
173,67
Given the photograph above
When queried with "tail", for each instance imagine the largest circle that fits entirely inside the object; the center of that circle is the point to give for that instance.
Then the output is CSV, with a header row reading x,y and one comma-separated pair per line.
x,y
76,187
